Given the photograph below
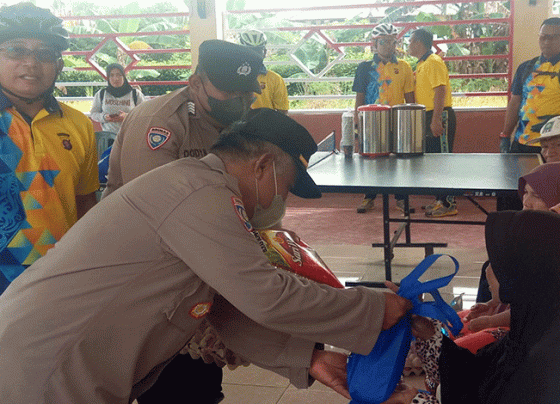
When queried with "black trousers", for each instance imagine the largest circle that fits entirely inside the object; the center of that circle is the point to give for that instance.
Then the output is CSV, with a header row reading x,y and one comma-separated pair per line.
x,y
433,143
186,381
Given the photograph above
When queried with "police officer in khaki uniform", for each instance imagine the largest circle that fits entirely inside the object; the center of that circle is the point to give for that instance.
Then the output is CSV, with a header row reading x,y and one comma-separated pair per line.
x,y
186,123
99,316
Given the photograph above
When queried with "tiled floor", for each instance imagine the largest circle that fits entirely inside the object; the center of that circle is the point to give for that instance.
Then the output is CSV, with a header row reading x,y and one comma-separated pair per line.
x,y
253,385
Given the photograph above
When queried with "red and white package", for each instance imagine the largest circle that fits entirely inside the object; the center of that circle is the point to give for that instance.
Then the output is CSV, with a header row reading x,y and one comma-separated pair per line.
x,y
287,251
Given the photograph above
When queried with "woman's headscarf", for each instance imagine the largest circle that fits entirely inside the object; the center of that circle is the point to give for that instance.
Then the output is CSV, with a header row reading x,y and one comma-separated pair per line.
x,y
524,251
545,180
117,91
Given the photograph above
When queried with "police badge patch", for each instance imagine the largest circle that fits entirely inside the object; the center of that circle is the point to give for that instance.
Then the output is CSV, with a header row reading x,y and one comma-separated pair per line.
x,y
240,211
200,310
244,69
157,137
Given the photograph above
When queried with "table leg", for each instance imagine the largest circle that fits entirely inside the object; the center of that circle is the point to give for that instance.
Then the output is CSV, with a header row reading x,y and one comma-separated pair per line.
x,y
387,250
407,214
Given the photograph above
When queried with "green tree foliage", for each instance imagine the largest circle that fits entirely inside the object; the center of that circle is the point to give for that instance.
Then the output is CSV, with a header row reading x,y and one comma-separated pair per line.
x,y
315,56
313,53
111,53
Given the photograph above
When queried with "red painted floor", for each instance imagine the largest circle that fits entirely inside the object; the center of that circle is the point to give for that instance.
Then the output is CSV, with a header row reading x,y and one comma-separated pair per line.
x,y
333,220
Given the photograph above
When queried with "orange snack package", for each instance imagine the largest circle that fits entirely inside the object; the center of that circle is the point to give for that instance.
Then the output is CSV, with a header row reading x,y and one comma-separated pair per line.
x,y
287,251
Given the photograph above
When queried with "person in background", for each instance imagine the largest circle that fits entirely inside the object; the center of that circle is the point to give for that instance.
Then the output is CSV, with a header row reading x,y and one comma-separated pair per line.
x,y
384,80
433,90
535,92
486,322
49,154
550,151
539,190
549,140
112,104
535,98
274,94
97,319
186,123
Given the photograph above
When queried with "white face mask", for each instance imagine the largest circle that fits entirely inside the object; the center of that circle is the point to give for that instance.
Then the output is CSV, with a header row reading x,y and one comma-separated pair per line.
x,y
266,218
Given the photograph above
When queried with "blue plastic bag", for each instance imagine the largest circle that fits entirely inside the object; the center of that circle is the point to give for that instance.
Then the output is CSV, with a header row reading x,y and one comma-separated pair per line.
x,y
103,165
373,378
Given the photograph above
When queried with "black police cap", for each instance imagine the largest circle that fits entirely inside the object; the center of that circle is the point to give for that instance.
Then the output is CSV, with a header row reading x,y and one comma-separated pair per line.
x,y
281,130
230,67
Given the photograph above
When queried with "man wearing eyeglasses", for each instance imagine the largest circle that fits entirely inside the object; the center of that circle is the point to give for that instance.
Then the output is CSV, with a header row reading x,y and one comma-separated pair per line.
x,y
535,98
48,175
383,80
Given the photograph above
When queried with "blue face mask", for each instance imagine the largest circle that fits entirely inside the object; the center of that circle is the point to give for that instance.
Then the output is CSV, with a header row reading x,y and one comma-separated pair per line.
x,y
271,216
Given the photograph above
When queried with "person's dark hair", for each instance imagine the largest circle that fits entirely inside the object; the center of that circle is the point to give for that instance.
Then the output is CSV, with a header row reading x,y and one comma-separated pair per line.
x,y
233,144
551,21
425,37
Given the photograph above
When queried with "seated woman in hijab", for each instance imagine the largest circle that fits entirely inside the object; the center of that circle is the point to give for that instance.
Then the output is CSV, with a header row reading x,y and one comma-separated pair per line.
x,y
112,104
487,322
524,367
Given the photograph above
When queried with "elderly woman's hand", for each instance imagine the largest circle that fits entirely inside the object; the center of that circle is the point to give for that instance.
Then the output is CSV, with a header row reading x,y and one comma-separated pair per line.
x,y
479,310
481,323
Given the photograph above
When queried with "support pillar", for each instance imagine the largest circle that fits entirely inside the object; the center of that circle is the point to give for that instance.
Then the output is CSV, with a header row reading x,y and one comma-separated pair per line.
x,y
528,17
205,22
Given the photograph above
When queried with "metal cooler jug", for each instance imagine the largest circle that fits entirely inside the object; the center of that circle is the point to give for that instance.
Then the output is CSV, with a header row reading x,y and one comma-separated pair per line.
x,y
408,129
375,130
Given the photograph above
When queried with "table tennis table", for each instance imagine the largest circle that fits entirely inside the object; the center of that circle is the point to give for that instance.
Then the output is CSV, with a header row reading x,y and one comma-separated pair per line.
x,y
469,175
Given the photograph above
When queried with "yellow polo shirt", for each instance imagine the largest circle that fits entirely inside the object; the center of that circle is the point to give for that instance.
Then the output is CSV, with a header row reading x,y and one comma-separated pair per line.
x,y
55,160
273,94
431,73
384,83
